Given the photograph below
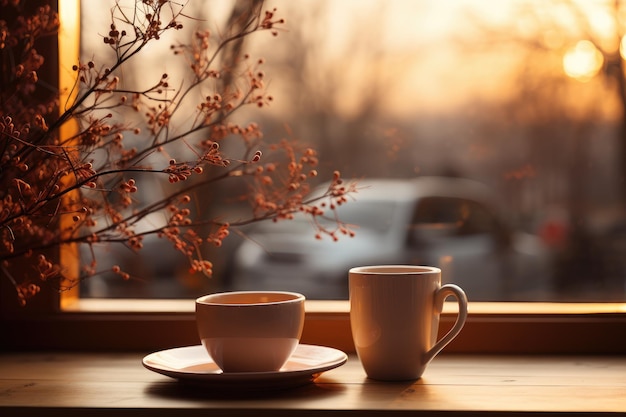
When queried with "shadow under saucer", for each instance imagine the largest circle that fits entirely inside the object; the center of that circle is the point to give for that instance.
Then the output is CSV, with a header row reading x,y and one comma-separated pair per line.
x,y
174,389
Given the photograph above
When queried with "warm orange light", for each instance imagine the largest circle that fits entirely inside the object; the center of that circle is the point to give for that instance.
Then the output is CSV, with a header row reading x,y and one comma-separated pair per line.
x,y
69,39
583,61
622,47
68,44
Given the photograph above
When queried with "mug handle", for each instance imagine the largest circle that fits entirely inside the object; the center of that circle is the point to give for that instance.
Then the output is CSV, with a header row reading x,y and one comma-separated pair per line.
x,y
443,293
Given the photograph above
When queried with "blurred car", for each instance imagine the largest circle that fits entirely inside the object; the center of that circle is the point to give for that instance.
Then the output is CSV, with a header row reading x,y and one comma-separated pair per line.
x,y
452,223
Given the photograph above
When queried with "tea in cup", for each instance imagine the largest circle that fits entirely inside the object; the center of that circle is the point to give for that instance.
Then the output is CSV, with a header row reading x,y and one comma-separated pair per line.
x,y
394,315
250,331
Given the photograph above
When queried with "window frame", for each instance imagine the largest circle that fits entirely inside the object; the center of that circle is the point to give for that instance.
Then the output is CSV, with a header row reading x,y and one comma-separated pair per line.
x,y
148,325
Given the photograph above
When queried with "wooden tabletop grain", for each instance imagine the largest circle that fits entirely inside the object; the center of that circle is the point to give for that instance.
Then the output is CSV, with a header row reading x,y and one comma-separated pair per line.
x,y
99,384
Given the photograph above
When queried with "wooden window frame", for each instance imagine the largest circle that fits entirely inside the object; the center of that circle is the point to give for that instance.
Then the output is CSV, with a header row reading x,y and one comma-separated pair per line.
x,y
147,325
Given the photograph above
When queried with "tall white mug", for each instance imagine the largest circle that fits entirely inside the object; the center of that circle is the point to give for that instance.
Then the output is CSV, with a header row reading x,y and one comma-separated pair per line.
x,y
394,315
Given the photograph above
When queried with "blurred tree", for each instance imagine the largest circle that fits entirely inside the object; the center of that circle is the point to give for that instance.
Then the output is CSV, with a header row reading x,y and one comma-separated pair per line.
x,y
568,108
337,81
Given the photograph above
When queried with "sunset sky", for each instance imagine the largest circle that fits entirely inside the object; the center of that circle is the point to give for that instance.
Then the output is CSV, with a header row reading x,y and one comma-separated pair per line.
x,y
437,50
432,56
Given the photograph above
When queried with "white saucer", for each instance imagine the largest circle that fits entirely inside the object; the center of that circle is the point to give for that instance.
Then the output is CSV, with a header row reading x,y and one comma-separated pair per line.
x,y
193,364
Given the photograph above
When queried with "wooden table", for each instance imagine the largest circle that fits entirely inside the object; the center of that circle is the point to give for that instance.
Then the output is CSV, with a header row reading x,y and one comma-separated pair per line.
x,y
116,384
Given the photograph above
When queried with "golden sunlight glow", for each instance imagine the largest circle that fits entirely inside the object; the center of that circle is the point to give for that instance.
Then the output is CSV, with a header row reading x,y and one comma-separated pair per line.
x,y
583,61
69,43
622,47
69,50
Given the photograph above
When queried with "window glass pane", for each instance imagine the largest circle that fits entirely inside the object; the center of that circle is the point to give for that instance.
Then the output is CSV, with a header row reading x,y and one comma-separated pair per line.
x,y
488,138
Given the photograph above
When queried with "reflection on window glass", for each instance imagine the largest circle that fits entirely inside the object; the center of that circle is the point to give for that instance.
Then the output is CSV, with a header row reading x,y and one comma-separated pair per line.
x,y
523,98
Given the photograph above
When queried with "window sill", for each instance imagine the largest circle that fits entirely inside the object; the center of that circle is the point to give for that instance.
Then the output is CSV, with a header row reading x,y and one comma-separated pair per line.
x,y
492,328
342,307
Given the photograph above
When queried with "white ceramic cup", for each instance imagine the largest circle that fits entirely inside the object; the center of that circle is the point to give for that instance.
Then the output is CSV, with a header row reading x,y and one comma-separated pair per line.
x,y
394,315
250,331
